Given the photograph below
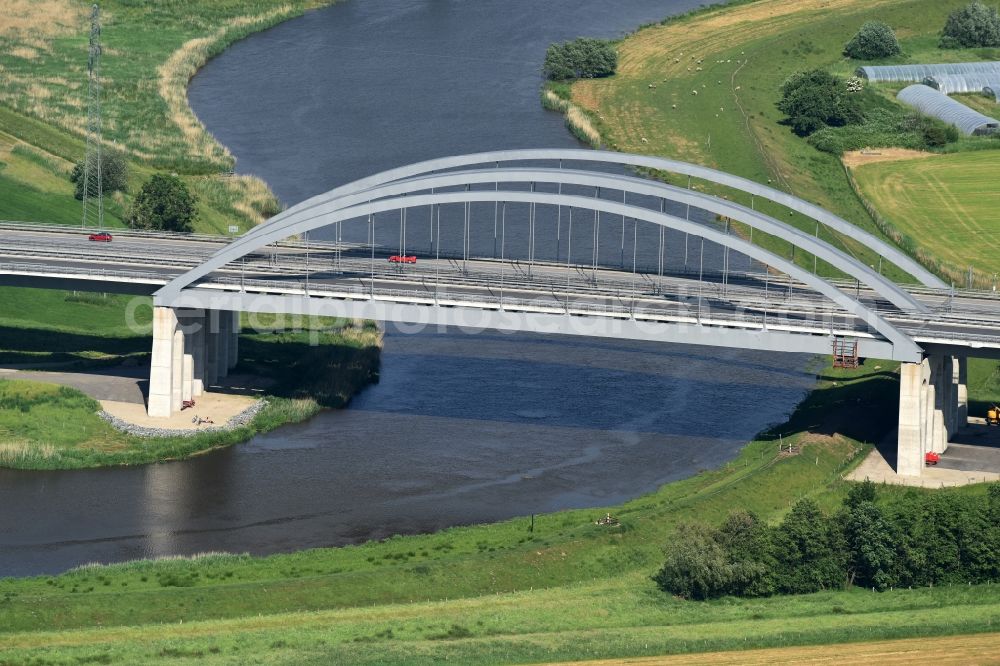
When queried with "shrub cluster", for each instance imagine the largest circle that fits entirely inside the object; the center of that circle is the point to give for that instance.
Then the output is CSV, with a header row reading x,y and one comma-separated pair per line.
x,y
581,58
972,26
886,126
815,99
874,40
923,539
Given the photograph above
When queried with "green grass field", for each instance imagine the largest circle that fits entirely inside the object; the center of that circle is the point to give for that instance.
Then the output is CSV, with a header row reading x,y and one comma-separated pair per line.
x,y
948,203
704,88
34,328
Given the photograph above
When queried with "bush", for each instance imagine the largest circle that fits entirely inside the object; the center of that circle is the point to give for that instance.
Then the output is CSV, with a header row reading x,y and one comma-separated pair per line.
x,y
748,546
886,124
812,100
696,566
114,174
809,549
874,40
971,26
165,204
581,58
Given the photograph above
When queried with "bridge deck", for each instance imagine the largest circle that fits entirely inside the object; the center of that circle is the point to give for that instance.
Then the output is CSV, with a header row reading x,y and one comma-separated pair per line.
x,y
348,272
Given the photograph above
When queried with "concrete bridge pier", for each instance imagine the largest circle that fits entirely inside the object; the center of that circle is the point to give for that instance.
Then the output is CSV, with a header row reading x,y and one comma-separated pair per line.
x,y
192,349
161,363
933,406
225,332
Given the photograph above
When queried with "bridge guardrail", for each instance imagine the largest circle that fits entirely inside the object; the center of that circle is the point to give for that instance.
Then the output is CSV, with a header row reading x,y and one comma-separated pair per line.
x,y
552,305
34,269
826,321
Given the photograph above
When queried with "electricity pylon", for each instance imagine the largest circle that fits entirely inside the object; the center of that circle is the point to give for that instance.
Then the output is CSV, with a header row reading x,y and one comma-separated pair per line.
x,y
93,189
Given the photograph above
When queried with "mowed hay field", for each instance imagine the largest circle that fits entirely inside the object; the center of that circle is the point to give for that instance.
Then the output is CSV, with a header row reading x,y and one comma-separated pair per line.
x,y
980,649
948,204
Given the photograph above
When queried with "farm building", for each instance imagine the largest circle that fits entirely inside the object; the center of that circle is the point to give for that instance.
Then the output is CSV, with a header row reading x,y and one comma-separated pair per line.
x,y
916,73
938,105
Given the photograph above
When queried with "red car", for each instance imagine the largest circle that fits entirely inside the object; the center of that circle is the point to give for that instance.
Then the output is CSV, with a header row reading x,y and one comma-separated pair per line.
x,y
403,259
101,236
932,458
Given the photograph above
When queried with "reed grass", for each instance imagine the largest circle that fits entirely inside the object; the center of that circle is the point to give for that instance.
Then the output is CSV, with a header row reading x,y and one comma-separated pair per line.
x,y
577,120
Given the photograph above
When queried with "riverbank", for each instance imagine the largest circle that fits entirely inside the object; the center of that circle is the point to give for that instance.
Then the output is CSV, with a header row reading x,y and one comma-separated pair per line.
x,y
152,50
558,586
315,364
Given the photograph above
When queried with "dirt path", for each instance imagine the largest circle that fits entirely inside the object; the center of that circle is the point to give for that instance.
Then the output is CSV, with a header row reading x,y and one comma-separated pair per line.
x,y
945,651
856,158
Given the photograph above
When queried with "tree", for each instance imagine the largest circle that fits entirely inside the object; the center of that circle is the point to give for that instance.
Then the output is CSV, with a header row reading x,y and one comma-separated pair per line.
x,y
114,174
746,542
817,98
695,566
971,26
866,491
809,552
872,544
874,40
581,58
163,203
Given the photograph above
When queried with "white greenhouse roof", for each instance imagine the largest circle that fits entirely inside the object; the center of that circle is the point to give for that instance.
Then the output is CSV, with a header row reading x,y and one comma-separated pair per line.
x,y
951,84
938,105
920,72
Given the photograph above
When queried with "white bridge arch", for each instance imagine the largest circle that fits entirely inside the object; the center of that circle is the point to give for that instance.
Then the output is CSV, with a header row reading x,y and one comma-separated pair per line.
x,y
418,185
368,184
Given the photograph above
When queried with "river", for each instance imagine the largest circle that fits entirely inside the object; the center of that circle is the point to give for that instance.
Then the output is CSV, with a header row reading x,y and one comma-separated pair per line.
x,y
461,428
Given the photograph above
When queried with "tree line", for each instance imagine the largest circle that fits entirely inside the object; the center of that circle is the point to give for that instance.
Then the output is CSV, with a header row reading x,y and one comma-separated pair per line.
x,y
920,539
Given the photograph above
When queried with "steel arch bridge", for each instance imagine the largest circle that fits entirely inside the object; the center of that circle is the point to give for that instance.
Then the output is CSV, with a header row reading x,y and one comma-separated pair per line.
x,y
434,183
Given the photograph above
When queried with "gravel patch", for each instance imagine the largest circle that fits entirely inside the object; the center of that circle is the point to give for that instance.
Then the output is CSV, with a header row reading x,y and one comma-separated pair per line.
x,y
238,421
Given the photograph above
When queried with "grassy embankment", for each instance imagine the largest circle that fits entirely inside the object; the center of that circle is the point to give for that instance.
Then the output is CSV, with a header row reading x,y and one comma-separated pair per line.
x,y
703,88
150,52
501,593
48,427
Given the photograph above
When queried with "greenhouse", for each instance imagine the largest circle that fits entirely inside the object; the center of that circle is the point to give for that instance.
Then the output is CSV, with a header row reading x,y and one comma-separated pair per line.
x,y
951,84
993,90
938,105
879,73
